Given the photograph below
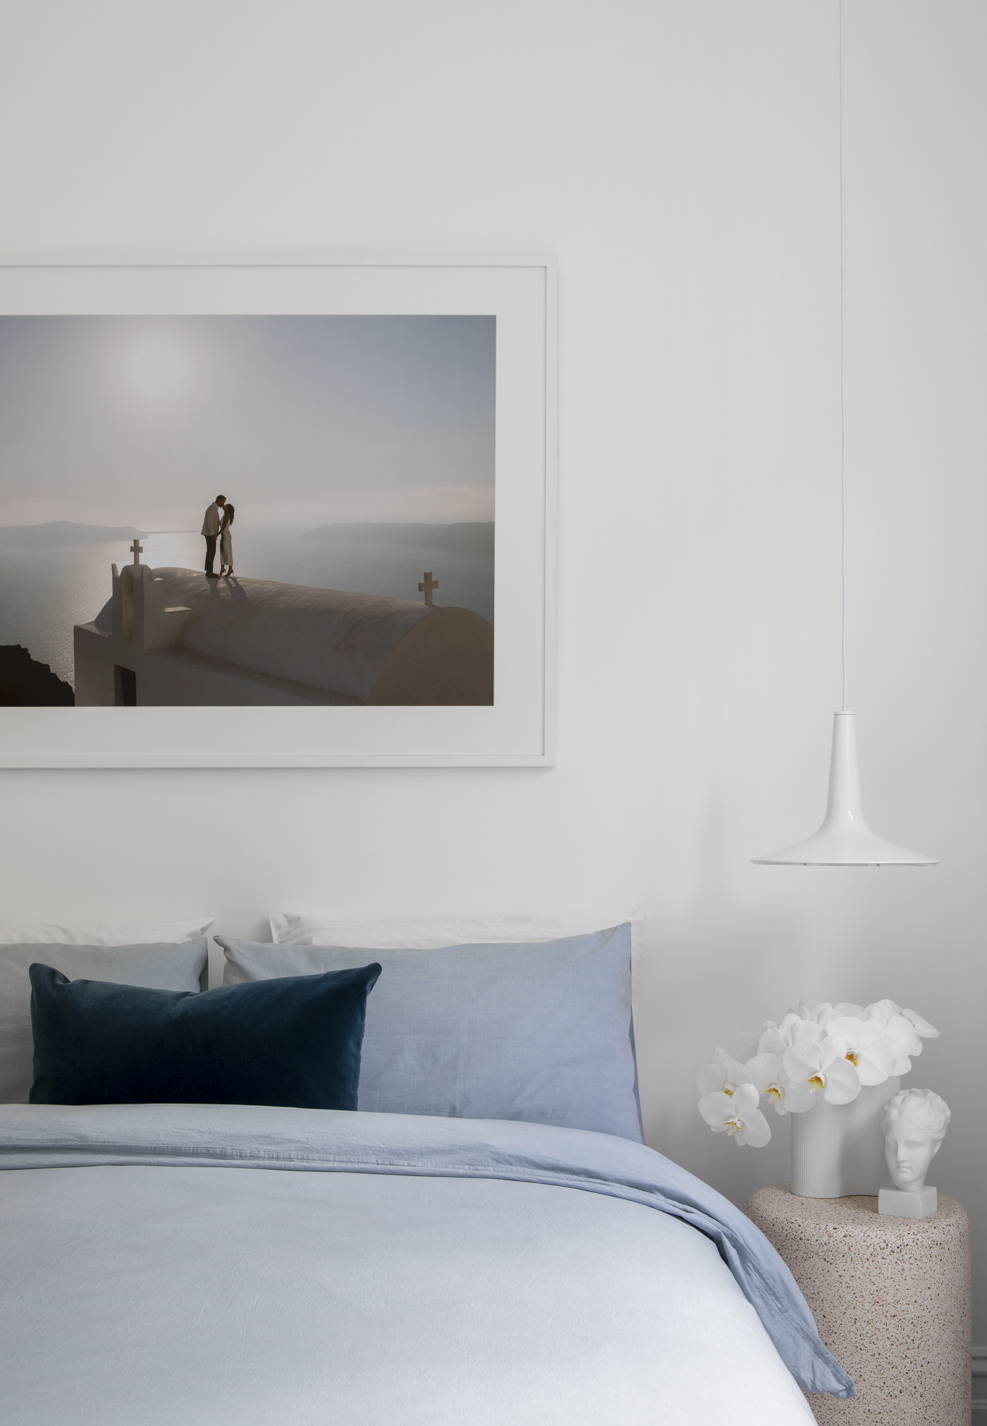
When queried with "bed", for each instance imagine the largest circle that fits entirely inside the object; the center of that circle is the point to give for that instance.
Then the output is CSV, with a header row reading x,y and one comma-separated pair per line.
x,y
218,1263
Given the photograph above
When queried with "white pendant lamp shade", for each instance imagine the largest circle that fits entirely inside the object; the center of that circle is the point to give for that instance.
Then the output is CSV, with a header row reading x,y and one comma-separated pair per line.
x,y
844,839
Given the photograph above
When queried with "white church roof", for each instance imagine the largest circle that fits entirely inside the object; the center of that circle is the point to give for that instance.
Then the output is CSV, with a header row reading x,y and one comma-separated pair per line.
x,y
326,638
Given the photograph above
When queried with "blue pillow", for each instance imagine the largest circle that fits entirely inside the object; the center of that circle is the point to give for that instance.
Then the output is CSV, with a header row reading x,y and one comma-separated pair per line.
x,y
295,1041
539,1031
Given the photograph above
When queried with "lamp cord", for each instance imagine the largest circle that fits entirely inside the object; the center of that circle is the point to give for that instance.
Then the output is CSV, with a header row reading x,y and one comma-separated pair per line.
x,y
843,482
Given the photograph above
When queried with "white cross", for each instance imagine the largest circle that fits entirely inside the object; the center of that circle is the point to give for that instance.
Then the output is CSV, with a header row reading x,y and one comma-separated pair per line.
x,y
138,550
427,585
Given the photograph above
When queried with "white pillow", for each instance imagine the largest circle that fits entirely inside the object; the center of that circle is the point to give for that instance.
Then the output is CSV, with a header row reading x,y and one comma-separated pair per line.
x,y
140,933
428,933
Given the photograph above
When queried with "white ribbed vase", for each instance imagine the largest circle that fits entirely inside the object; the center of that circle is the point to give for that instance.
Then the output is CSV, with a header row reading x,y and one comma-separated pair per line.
x,y
838,1149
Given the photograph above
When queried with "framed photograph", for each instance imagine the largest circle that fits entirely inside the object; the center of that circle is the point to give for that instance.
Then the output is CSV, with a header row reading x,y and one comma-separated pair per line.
x,y
275,513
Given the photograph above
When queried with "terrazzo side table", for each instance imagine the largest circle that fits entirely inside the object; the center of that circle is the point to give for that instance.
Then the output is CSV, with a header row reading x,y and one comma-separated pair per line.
x,y
891,1299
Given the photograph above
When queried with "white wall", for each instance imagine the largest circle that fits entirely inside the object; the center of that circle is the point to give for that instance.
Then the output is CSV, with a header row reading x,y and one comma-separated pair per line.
x,y
681,160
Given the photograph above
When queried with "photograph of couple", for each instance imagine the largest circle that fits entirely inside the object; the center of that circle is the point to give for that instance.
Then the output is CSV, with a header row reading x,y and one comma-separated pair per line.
x,y
360,447
218,523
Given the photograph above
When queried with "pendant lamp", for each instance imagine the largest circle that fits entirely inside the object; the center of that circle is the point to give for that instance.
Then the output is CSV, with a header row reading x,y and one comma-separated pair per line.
x,y
844,839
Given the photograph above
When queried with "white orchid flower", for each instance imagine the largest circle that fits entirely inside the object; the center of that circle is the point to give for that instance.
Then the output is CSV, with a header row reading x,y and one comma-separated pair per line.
x,y
887,1009
882,1010
847,1007
865,1045
826,1011
722,1076
816,1063
921,1026
777,1038
766,1073
902,1042
736,1114
904,1030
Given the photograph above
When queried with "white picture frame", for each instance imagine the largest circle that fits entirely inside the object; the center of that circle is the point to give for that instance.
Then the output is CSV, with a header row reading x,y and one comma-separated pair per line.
x,y
518,728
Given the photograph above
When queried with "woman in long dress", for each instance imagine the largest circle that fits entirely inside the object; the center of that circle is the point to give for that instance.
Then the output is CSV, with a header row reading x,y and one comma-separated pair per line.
x,y
226,541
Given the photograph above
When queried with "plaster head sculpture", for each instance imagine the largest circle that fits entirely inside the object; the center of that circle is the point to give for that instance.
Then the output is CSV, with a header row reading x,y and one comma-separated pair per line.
x,y
914,1123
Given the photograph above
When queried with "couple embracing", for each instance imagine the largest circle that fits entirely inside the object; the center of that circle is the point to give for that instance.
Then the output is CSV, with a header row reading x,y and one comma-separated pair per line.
x,y
216,525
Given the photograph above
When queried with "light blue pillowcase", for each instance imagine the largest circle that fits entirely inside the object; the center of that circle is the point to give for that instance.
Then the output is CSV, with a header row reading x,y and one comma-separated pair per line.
x,y
540,1031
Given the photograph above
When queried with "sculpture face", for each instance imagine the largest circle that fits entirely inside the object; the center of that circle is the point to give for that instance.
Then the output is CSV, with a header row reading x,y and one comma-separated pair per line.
x,y
909,1151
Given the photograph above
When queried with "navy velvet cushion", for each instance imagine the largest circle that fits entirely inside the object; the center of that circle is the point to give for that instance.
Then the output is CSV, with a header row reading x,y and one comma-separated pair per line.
x,y
294,1041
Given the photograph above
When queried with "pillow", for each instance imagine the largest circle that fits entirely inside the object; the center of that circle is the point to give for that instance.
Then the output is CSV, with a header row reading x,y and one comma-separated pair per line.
x,y
42,933
168,967
294,1041
535,1031
289,928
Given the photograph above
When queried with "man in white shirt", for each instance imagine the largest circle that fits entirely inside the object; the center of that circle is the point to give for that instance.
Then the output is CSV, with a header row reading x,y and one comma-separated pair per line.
x,y
210,529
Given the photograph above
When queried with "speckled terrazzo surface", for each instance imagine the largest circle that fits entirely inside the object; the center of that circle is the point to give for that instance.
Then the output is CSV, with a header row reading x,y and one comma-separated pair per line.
x,y
891,1297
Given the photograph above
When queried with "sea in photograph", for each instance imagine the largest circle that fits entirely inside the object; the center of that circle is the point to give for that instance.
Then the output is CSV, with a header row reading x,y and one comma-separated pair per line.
x,y
46,590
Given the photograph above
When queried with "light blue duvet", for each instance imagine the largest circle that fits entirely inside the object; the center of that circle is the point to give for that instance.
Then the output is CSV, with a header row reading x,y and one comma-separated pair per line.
x,y
397,1269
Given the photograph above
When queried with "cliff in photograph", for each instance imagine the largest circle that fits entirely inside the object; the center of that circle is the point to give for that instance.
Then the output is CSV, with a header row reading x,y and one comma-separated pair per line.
x,y
25,683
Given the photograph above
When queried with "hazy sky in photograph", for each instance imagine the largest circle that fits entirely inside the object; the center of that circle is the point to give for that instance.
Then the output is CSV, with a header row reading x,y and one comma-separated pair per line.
x,y
303,420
